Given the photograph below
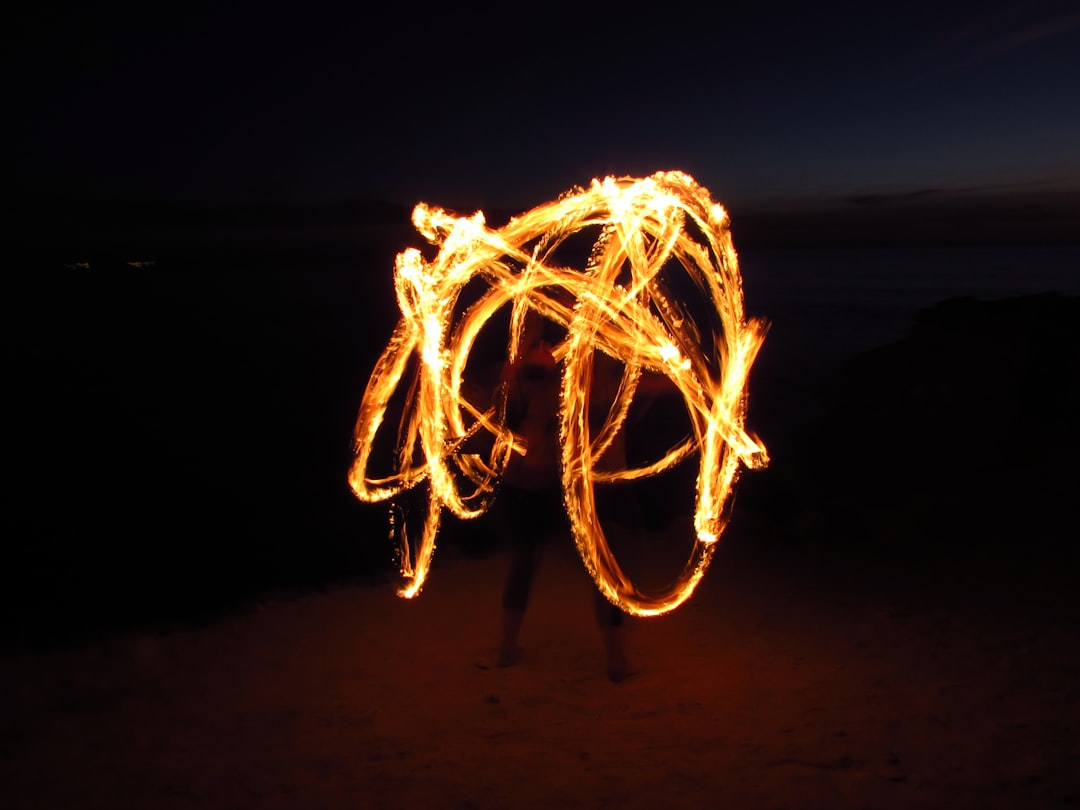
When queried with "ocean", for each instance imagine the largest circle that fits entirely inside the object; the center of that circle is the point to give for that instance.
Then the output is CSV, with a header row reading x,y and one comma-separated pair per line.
x,y
841,302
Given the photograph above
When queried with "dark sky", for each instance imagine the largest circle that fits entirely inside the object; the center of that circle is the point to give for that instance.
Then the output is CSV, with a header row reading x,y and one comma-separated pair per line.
x,y
509,105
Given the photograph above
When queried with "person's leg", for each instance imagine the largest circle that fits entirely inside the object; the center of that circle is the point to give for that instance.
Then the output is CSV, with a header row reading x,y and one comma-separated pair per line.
x,y
530,519
516,599
620,514
609,618
523,544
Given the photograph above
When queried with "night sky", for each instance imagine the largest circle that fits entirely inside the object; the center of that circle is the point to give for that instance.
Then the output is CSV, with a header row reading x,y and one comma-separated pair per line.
x,y
213,389
766,104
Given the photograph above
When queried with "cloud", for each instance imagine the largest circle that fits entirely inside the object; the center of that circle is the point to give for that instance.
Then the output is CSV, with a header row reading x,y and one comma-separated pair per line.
x,y
888,199
984,40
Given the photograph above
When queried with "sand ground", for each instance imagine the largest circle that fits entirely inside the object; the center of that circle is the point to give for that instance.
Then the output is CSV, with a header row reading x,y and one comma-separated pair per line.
x,y
789,680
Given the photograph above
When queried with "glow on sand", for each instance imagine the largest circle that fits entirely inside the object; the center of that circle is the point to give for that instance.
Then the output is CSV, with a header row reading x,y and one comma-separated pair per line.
x,y
618,303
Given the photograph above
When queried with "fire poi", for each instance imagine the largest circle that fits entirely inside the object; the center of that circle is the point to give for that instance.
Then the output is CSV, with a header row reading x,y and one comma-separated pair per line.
x,y
619,303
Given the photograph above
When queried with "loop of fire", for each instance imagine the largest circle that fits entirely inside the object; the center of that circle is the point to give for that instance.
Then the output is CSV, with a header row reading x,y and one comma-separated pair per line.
x,y
639,275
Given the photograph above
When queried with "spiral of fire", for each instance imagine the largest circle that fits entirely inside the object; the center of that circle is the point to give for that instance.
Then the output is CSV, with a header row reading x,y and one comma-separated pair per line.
x,y
622,303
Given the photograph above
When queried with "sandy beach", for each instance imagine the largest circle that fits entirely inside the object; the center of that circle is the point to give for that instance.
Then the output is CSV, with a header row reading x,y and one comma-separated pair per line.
x,y
791,679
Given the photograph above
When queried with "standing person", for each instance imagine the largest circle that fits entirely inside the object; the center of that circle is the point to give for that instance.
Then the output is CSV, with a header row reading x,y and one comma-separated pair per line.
x,y
533,491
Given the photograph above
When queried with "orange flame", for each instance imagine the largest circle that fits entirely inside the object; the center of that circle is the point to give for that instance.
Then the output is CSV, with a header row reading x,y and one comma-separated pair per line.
x,y
619,305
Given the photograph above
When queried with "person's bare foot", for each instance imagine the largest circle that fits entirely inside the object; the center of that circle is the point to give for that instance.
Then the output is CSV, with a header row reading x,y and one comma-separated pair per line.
x,y
501,659
615,647
617,669
508,656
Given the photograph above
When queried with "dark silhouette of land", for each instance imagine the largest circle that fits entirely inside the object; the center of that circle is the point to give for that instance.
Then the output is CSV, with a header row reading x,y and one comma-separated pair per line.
x,y
952,452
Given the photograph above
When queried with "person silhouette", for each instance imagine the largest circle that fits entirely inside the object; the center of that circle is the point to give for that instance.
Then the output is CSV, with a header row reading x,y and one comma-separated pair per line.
x,y
533,491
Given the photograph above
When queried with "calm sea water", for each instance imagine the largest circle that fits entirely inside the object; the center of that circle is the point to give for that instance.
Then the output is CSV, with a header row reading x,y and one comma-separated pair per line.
x,y
824,305
841,302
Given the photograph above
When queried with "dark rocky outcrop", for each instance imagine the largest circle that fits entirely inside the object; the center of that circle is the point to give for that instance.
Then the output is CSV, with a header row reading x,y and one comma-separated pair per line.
x,y
962,436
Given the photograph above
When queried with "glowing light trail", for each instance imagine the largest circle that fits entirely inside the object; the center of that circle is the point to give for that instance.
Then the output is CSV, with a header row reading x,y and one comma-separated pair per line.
x,y
624,304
